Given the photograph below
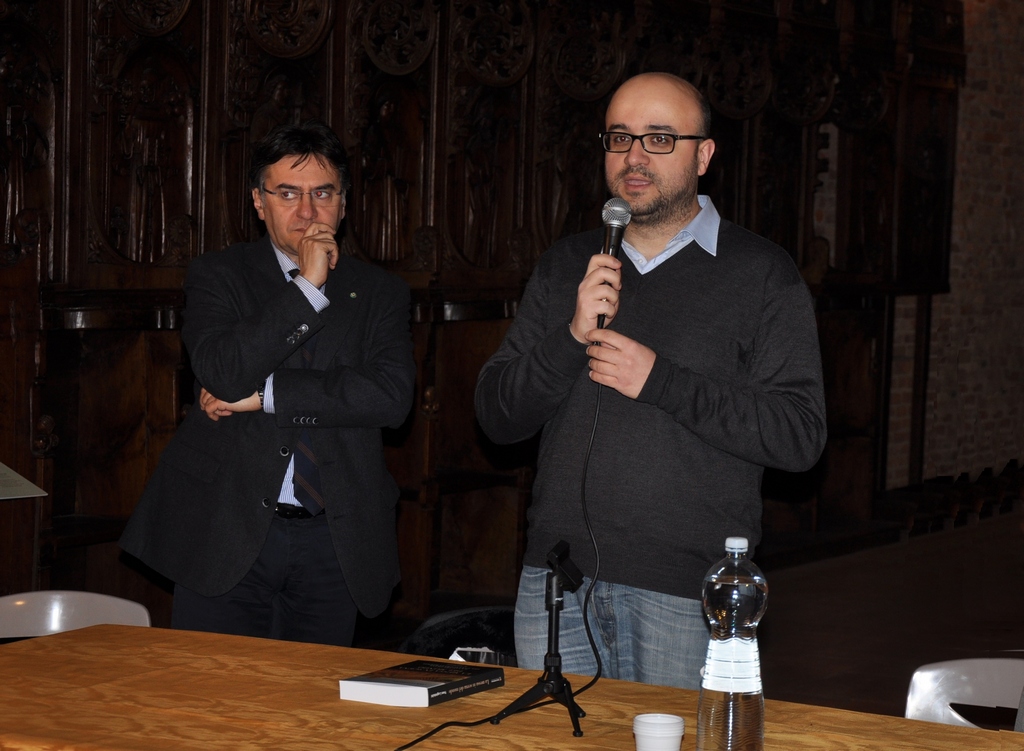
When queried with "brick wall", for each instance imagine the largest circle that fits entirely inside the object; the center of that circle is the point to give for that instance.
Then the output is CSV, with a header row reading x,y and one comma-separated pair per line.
x,y
975,402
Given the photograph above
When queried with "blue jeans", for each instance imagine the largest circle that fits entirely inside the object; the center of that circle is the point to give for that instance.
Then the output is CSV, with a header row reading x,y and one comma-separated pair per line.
x,y
641,636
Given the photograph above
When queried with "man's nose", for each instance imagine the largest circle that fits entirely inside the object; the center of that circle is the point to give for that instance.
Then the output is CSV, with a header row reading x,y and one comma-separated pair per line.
x,y
306,208
636,153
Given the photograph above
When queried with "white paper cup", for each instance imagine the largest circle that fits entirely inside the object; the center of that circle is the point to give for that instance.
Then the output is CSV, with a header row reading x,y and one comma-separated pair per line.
x,y
658,732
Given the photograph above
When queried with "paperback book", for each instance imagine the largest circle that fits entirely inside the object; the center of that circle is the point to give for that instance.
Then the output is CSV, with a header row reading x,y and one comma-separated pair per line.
x,y
421,683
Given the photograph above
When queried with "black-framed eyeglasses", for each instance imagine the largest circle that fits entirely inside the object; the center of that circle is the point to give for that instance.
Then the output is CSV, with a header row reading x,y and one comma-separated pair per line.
x,y
319,196
619,142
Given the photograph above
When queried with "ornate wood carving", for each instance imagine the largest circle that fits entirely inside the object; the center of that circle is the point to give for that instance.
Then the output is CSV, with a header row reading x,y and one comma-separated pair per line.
x,y
740,76
399,35
44,439
245,61
805,85
676,50
484,130
25,10
148,209
589,52
153,18
494,40
289,29
567,171
424,250
861,97
141,202
358,68
26,151
483,139
390,161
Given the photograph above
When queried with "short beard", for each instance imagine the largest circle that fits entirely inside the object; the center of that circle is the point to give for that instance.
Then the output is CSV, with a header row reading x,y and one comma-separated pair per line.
x,y
665,209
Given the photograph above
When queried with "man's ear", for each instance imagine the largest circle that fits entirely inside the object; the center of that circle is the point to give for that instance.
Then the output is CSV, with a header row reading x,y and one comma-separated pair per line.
x,y
257,201
704,153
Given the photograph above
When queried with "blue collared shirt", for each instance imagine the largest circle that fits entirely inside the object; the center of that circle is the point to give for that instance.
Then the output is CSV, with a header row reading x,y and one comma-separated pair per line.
x,y
702,229
316,299
319,302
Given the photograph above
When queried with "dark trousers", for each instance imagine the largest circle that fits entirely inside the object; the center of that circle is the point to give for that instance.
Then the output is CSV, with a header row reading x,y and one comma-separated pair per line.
x,y
294,591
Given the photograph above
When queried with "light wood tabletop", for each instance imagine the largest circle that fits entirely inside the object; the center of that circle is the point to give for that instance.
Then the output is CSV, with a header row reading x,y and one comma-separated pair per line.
x,y
123,687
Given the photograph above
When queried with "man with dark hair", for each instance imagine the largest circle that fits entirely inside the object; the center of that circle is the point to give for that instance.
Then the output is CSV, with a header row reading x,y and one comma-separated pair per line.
x,y
709,371
271,509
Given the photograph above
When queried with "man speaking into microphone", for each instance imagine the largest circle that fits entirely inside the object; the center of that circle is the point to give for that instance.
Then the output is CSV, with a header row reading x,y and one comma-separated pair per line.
x,y
701,339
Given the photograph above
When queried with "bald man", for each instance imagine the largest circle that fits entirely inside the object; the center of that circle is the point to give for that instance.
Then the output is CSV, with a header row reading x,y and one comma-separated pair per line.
x,y
708,371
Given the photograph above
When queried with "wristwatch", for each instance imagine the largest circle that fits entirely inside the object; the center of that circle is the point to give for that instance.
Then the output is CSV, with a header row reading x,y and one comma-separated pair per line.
x,y
260,389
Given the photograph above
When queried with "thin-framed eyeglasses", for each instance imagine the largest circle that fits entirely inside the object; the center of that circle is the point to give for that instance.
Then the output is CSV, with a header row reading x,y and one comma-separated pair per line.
x,y
319,196
619,142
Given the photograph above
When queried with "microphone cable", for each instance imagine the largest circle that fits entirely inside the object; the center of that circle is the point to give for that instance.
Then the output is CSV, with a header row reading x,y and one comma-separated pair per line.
x,y
616,214
586,603
594,545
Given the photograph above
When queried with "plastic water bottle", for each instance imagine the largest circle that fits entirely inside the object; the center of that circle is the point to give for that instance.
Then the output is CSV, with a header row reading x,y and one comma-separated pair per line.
x,y
730,715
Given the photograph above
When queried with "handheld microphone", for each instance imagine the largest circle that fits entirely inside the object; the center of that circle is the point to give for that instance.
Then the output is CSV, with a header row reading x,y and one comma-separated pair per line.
x,y
615,215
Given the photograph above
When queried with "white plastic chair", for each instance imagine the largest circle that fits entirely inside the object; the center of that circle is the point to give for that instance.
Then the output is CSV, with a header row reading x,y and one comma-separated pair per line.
x,y
984,682
51,611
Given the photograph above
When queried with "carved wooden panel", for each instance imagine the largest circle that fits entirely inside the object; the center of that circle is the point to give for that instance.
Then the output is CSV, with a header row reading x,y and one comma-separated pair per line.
x,y
152,19
30,87
140,192
295,29
390,125
580,57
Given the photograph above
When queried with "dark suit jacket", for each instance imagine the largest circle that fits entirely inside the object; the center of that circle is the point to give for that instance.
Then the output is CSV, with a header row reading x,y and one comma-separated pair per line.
x,y
205,512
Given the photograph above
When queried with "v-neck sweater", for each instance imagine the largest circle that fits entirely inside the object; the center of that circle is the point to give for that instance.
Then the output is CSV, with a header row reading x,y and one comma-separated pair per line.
x,y
736,386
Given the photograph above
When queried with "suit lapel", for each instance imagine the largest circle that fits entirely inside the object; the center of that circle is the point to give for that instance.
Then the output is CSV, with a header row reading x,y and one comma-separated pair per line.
x,y
343,290
266,276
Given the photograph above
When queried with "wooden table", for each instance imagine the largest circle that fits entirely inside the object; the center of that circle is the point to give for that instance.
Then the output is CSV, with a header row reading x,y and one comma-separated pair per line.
x,y
123,687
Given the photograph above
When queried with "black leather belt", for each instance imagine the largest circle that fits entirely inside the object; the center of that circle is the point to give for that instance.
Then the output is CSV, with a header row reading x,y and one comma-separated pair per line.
x,y
288,511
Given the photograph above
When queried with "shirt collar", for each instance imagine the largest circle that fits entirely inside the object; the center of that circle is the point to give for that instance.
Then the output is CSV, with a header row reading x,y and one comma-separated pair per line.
x,y
284,260
703,229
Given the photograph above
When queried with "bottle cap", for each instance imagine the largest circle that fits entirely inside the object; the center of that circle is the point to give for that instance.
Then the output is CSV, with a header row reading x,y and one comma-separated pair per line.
x,y
735,544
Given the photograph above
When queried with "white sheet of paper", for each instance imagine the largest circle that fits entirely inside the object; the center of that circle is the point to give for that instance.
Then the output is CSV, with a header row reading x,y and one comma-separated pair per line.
x,y
13,485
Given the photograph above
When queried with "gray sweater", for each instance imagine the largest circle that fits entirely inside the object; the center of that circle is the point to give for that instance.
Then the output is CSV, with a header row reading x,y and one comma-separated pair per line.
x,y
736,387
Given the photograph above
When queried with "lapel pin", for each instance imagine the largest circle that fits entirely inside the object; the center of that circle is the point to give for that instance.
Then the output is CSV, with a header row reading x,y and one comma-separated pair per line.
x,y
351,294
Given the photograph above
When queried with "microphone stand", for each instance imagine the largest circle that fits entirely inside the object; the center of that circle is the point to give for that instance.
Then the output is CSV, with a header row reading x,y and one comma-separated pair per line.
x,y
551,682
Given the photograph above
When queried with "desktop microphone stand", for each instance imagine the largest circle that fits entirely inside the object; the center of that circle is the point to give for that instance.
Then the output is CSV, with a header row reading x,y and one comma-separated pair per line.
x,y
552,683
